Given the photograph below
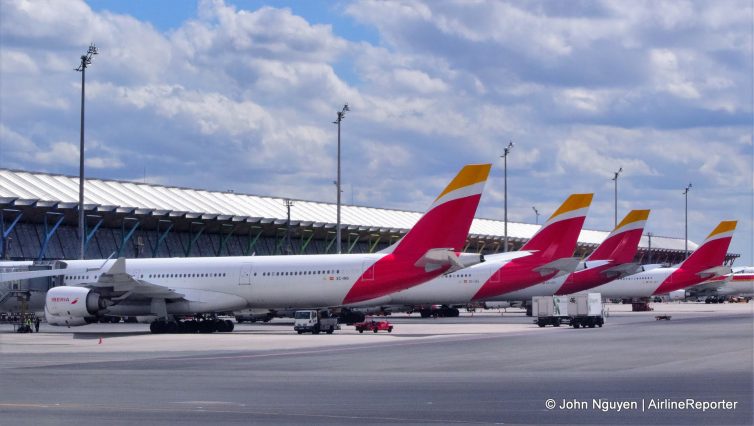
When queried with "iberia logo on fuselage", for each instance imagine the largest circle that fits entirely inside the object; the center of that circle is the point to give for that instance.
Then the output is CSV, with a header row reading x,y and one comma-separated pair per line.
x,y
75,301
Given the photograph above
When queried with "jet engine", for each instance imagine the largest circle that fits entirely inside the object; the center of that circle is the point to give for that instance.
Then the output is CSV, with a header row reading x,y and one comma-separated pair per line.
x,y
71,306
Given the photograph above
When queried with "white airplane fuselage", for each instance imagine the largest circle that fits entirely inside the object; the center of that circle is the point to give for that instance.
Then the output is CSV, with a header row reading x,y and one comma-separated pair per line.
x,y
244,282
642,284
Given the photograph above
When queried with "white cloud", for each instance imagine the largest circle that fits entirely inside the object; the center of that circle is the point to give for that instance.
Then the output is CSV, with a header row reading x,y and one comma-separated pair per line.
x,y
59,153
244,99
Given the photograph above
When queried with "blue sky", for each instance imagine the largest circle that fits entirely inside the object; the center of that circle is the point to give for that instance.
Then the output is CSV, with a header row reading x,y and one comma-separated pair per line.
x,y
241,95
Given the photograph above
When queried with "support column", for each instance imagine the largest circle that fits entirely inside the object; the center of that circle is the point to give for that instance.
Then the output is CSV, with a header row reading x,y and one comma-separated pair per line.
x,y
126,236
253,241
49,232
161,237
90,234
372,246
5,233
356,240
193,239
305,244
224,238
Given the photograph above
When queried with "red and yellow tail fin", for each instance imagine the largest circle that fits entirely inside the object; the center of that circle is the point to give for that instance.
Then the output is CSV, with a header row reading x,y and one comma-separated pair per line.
x,y
446,224
621,245
558,236
714,248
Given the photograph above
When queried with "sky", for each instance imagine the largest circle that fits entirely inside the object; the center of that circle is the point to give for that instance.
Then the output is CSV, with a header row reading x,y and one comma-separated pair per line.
x,y
241,95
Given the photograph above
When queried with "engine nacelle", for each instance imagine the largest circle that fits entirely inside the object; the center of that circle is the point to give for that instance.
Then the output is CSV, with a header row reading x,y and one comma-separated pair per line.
x,y
72,306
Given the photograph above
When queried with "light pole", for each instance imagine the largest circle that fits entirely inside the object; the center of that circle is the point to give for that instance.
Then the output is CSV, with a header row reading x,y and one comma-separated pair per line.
x,y
288,204
341,115
506,151
615,179
86,60
536,214
686,226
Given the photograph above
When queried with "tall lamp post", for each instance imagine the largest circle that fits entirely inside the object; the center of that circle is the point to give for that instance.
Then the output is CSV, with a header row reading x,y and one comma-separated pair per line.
x,y
288,204
686,226
506,151
341,115
615,179
86,60
536,214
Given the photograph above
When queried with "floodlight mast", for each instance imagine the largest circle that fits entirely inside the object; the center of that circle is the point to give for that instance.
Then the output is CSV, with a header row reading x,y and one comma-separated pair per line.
x,y
615,179
86,60
288,204
506,151
536,214
341,116
686,225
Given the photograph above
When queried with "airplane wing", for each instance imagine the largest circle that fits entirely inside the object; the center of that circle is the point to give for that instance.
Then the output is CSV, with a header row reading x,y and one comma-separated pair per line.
x,y
118,282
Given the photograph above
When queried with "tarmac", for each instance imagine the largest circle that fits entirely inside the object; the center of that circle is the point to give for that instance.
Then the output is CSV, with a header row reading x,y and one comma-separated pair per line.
x,y
489,367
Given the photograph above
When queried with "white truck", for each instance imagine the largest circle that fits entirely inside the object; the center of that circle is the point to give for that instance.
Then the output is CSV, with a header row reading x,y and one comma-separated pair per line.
x,y
585,310
549,310
314,321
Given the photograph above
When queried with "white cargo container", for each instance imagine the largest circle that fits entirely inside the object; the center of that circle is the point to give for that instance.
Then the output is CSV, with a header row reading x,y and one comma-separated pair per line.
x,y
549,310
585,310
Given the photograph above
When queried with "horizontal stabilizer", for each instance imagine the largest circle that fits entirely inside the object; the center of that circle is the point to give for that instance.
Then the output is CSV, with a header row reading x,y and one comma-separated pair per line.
x,y
716,271
439,257
621,270
509,255
565,265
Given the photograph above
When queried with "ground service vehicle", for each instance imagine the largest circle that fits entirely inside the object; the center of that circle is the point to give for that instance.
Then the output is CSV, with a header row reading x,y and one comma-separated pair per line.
x,y
373,325
314,321
585,310
549,310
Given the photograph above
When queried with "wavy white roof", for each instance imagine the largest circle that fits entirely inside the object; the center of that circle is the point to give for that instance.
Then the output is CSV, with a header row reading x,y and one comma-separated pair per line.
x,y
50,190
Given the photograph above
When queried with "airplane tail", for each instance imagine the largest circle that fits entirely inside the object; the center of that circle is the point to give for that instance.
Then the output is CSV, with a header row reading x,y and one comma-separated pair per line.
x,y
446,224
558,236
621,245
712,252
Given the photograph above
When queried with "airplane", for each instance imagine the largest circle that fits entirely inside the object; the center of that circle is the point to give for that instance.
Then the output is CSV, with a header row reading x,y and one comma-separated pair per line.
x,y
704,263
166,287
739,283
544,256
612,259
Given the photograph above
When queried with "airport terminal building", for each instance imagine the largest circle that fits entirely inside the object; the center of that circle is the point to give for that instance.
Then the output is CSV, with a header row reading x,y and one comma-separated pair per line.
x,y
39,221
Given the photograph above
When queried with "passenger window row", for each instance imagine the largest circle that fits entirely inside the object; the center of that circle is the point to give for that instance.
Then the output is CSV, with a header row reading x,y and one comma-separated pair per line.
x,y
195,275
286,274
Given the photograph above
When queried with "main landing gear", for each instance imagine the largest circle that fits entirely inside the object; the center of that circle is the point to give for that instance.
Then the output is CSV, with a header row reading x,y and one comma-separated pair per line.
x,y
197,325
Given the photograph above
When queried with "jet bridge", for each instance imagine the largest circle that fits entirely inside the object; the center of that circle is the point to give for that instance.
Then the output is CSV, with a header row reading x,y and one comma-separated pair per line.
x,y
20,296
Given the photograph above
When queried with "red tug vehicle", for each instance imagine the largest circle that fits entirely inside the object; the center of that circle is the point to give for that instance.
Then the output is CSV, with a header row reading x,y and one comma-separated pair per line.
x,y
373,325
